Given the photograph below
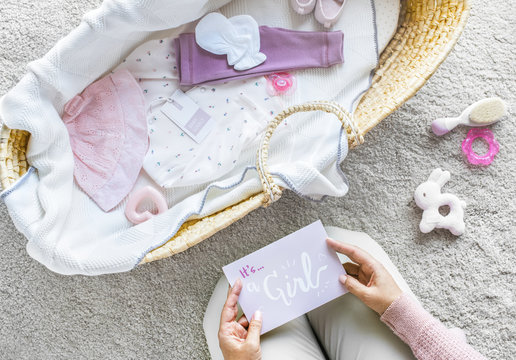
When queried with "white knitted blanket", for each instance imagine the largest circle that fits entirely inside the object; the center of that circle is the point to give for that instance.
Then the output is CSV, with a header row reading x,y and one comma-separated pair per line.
x,y
66,230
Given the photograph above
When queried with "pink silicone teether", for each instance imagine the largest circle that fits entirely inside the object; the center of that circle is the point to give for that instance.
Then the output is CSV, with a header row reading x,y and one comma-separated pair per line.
x,y
281,83
473,157
136,198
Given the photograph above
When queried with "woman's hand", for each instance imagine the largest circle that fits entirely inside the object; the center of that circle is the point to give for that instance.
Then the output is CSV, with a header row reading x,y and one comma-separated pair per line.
x,y
367,279
238,339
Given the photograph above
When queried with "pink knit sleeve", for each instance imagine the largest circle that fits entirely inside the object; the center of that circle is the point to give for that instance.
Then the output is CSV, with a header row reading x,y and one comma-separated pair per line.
x,y
428,338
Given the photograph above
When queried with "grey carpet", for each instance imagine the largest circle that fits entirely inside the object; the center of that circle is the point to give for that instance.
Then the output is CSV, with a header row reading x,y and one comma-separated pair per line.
x,y
156,310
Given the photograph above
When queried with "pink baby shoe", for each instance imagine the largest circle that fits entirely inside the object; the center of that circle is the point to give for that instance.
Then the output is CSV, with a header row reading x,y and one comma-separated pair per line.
x,y
108,134
303,7
327,12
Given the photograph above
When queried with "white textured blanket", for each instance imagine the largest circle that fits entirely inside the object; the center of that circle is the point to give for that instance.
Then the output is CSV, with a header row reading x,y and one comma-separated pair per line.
x,y
66,231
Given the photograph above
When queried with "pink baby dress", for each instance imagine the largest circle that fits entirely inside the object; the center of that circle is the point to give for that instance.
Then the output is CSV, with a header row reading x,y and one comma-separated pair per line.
x,y
108,136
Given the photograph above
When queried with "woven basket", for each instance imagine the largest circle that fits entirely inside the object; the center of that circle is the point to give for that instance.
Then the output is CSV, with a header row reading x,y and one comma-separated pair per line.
x,y
427,31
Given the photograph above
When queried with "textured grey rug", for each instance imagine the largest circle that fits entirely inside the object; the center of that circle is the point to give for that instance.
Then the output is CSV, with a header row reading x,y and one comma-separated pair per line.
x,y
156,310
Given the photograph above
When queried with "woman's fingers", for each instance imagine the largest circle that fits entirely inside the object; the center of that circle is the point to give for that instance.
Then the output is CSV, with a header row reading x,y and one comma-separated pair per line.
x,y
243,321
362,273
355,253
230,309
354,286
255,327
351,269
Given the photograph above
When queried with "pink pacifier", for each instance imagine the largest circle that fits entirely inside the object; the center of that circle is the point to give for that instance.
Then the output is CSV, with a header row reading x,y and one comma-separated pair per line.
x,y
137,197
281,83
473,157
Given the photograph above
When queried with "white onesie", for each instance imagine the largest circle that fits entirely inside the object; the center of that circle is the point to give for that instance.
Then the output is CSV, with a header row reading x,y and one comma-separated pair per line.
x,y
241,110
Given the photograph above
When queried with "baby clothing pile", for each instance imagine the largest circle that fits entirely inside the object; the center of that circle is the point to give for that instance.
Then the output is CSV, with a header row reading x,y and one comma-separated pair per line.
x,y
121,135
196,137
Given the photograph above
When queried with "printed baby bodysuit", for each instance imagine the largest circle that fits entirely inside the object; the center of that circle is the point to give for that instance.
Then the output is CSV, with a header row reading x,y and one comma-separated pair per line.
x,y
241,110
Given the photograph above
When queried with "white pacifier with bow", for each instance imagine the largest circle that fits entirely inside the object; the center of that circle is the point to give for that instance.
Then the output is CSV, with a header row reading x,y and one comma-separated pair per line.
x,y
429,198
237,37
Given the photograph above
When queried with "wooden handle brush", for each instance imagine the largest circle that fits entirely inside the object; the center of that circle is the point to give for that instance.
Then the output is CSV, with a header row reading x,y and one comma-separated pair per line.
x,y
482,113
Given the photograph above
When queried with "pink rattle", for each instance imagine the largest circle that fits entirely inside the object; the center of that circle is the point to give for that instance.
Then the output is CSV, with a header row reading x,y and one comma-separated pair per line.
x,y
467,146
136,198
281,83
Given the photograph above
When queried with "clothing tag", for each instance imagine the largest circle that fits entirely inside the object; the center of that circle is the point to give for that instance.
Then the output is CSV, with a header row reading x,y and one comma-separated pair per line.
x,y
186,114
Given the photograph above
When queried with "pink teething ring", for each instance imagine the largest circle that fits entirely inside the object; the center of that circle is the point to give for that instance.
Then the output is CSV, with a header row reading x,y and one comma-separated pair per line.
x,y
136,198
473,157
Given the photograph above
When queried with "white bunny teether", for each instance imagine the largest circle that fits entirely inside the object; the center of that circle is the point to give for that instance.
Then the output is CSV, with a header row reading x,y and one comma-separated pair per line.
x,y
429,198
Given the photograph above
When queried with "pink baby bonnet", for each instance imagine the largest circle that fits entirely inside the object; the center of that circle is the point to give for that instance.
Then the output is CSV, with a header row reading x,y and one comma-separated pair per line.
x,y
108,134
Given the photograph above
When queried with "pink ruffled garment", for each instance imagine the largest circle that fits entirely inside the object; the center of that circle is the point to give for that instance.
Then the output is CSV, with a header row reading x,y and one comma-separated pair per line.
x,y
108,135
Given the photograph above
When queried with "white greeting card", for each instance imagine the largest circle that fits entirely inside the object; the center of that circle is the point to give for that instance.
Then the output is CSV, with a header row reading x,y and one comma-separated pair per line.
x,y
289,277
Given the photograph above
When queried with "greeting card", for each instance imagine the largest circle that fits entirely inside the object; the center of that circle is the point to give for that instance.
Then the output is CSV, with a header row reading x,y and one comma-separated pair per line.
x,y
289,277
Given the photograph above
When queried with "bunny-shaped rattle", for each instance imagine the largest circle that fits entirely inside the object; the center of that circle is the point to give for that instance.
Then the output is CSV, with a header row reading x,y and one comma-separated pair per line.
x,y
429,198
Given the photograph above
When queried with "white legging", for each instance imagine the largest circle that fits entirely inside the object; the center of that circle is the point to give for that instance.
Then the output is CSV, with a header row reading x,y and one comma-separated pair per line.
x,y
344,328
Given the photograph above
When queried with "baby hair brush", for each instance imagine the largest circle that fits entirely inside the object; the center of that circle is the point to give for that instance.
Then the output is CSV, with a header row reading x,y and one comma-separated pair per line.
x,y
482,113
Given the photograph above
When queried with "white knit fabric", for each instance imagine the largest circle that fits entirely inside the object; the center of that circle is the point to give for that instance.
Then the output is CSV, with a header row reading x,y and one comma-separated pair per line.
x,y
66,230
